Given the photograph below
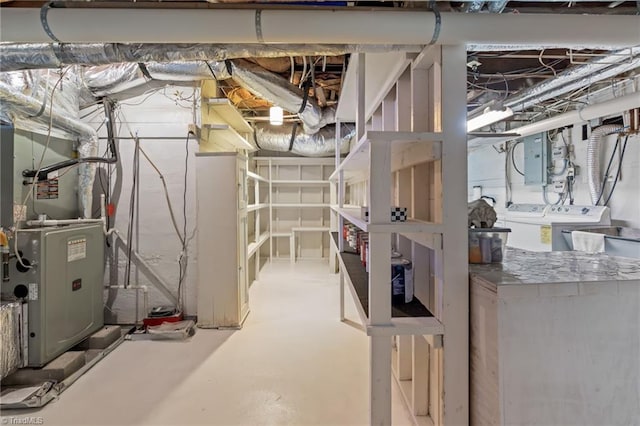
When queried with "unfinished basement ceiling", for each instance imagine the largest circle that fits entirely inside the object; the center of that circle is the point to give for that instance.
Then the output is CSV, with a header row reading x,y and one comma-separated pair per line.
x,y
520,77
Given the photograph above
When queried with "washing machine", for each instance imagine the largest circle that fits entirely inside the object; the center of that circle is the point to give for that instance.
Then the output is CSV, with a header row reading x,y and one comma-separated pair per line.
x,y
538,227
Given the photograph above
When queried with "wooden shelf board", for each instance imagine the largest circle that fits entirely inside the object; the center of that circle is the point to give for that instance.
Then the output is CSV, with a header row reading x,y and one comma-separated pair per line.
x,y
411,318
254,207
407,148
281,234
227,134
255,246
409,227
257,177
309,229
301,182
229,113
362,315
298,205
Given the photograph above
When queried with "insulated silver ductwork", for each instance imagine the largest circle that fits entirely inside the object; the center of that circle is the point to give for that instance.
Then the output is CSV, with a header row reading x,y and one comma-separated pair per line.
x,y
23,111
281,92
473,6
118,78
497,6
618,62
19,56
320,144
110,79
593,159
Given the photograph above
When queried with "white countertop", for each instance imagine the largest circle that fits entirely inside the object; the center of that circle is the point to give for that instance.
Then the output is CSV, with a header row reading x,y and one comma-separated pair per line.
x,y
526,267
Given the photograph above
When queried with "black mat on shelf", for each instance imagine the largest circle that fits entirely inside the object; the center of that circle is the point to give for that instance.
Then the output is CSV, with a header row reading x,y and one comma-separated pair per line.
x,y
360,279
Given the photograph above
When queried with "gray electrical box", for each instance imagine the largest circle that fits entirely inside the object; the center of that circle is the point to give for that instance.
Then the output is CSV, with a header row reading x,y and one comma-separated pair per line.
x,y
536,159
63,287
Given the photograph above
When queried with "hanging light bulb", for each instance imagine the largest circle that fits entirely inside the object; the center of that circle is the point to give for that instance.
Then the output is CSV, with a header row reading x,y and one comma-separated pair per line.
x,y
276,117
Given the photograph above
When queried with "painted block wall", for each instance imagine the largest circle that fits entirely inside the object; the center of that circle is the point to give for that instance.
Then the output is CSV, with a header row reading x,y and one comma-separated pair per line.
x,y
486,168
161,115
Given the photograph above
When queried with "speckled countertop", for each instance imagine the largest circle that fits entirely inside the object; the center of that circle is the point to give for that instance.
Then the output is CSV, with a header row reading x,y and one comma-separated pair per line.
x,y
526,267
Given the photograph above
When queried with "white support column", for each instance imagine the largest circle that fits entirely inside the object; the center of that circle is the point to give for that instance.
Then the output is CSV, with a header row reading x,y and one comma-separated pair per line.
x,y
455,294
379,291
360,92
270,199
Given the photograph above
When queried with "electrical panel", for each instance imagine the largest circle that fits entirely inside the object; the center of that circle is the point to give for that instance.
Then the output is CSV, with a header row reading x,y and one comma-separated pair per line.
x,y
536,160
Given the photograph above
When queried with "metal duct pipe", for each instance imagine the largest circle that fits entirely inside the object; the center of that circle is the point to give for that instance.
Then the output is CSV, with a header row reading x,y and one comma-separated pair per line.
x,y
19,56
352,26
623,103
281,92
107,80
21,106
517,47
593,159
596,70
497,6
473,6
320,144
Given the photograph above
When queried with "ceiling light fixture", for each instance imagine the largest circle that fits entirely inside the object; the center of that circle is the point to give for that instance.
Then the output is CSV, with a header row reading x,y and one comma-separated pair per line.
x,y
489,116
276,116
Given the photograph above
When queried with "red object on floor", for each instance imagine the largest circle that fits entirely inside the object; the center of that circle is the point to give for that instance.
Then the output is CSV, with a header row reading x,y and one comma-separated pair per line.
x,y
159,320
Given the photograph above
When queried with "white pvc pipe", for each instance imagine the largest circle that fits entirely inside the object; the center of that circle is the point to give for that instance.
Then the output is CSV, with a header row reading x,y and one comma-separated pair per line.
x,y
56,222
397,26
623,103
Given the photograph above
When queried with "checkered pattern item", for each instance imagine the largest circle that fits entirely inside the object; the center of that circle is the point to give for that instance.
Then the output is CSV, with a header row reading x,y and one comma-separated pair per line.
x,y
398,214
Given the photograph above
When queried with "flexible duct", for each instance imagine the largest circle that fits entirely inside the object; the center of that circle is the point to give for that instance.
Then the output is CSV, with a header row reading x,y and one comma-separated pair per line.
x,y
18,56
19,108
593,159
473,6
320,144
599,69
109,79
497,6
303,26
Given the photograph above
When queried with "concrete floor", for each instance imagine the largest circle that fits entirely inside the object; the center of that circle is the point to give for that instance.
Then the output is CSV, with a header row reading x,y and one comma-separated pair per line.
x,y
293,363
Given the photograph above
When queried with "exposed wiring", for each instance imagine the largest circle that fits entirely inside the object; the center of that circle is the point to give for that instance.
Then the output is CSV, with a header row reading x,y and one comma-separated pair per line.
x,y
606,173
293,69
43,172
304,70
44,152
513,160
507,178
183,259
561,197
132,202
617,178
546,65
166,195
506,87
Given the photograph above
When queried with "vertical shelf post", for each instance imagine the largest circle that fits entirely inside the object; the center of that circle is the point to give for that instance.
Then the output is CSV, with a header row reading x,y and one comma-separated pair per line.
x,y
455,294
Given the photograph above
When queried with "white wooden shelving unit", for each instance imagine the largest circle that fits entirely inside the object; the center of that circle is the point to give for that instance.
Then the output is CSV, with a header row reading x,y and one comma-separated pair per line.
x,y
258,228
298,206
411,152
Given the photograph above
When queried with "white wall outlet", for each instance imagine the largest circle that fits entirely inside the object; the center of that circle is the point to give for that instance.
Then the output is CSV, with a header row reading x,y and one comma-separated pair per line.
x,y
558,186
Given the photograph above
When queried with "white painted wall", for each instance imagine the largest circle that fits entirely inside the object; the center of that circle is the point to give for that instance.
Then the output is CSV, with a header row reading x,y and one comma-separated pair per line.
x,y
157,115
487,169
